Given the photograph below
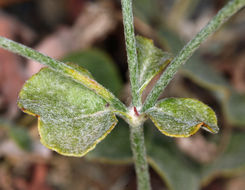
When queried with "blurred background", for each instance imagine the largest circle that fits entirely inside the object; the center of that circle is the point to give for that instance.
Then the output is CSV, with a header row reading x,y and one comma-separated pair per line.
x,y
90,33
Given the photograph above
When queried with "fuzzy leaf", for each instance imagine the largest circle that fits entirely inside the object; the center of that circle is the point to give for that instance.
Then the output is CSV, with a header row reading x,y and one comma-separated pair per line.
x,y
115,148
72,118
182,117
66,70
151,61
207,77
233,103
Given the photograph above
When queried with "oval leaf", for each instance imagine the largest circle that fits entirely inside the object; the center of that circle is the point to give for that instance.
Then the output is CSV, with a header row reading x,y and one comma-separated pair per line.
x,y
72,118
151,61
182,117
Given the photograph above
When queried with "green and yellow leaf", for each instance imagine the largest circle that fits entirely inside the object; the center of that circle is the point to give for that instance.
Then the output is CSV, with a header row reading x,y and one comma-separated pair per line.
x,y
100,65
182,117
233,103
115,148
72,119
151,61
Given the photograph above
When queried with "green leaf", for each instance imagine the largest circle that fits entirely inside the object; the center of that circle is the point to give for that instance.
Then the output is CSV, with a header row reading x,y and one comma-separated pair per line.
x,y
231,162
115,148
170,39
148,11
176,170
18,134
235,109
100,65
232,103
20,137
182,117
66,70
186,52
72,118
206,76
151,61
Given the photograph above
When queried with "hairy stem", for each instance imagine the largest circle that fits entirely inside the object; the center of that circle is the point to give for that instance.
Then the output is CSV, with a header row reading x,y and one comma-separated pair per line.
x,y
140,159
63,69
136,131
223,15
131,49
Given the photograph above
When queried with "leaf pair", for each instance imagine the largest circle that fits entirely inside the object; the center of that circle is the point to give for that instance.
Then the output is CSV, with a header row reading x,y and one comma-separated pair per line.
x,y
73,117
176,117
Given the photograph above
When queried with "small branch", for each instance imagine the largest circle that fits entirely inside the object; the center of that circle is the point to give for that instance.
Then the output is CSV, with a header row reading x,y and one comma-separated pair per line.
x,y
140,159
131,49
64,69
223,15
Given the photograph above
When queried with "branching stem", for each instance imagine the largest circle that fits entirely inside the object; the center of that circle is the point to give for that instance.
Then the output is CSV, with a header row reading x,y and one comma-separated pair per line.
x,y
136,130
64,69
223,15
136,118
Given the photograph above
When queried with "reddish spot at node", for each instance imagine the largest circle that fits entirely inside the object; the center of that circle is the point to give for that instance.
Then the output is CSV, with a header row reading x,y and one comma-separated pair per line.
x,y
136,112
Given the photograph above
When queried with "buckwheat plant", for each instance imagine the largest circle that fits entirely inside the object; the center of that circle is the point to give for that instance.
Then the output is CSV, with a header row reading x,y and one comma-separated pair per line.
x,y
75,112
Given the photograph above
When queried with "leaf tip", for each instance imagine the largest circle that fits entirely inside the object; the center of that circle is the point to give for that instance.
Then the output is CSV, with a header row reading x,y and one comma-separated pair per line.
x,y
213,129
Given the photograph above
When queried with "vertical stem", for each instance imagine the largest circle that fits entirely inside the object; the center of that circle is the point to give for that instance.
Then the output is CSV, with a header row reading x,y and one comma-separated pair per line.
x,y
136,131
140,159
131,49
223,15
